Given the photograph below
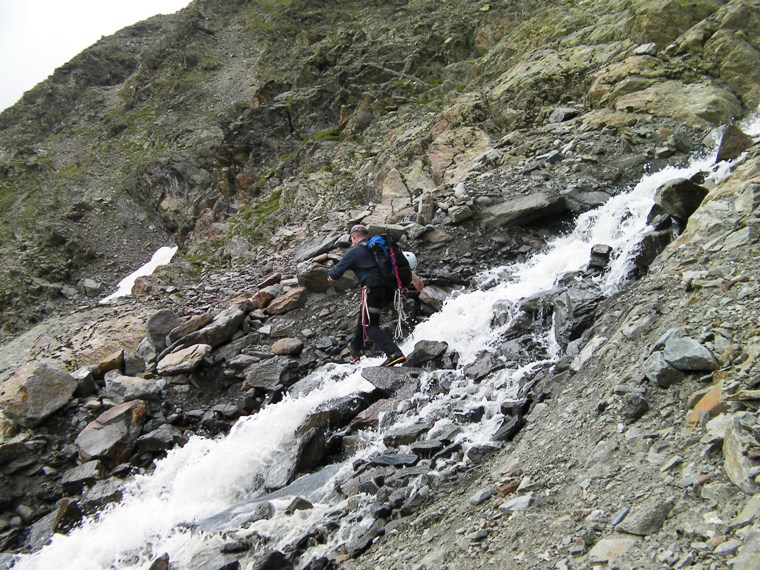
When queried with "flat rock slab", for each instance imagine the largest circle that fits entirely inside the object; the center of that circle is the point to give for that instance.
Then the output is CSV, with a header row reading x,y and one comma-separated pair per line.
x,y
399,382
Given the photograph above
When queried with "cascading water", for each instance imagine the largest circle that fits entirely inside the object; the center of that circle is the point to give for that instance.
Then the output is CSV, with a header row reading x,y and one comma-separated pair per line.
x,y
208,476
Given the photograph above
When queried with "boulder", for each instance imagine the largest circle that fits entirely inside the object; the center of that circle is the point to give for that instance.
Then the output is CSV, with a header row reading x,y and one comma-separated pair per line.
x,y
287,346
485,364
214,334
313,248
426,351
399,382
121,388
688,355
680,197
288,301
85,475
660,371
161,439
113,434
733,142
521,210
277,371
184,360
191,325
740,468
161,324
34,393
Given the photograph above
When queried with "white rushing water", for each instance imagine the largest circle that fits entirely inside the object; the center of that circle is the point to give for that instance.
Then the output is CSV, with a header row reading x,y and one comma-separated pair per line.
x,y
207,476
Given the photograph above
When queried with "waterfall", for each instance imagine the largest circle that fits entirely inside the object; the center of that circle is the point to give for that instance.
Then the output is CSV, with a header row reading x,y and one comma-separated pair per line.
x,y
207,476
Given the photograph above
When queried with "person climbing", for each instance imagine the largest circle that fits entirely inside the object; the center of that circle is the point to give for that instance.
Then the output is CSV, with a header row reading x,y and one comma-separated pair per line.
x,y
374,296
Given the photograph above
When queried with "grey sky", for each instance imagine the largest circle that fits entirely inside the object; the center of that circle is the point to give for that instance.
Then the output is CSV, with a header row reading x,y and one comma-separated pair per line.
x,y
38,36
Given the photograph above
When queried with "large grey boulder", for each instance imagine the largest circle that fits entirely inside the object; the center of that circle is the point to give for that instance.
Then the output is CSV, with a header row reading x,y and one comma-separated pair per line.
x,y
113,434
34,393
121,388
214,334
689,355
660,371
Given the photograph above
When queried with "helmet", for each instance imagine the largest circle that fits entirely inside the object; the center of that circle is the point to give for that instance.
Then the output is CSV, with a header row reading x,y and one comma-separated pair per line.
x,y
412,259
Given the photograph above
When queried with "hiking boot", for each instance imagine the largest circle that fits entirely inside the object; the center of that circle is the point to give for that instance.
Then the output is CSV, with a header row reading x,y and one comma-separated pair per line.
x,y
397,358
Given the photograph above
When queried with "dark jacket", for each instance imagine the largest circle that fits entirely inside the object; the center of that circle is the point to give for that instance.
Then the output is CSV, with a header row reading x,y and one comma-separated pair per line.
x,y
361,261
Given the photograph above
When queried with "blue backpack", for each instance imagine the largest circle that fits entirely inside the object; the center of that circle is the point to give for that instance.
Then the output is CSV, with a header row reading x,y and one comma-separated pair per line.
x,y
393,265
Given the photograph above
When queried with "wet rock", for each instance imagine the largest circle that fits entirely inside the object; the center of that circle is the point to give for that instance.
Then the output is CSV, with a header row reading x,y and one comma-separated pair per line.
x,y
85,475
395,459
425,352
404,435
237,517
680,197
600,256
733,141
113,434
399,382
486,363
161,439
280,370
102,493
34,393
370,418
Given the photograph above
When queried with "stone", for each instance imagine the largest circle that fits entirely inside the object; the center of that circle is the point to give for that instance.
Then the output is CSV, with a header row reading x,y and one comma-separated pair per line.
x,y
287,346
309,250
288,301
660,371
733,142
34,393
113,361
610,548
121,388
85,475
459,214
395,459
680,197
740,468
522,210
280,370
217,332
562,114
90,288
648,517
482,496
688,355
508,429
191,325
517,504
370,417
400,382
161,439
184,360
424,352
261,299
113,434
404,435
485,364
161,324
237,517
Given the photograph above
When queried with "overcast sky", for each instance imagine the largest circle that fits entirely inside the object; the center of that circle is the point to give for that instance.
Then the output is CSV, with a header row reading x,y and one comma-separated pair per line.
x,y
38,36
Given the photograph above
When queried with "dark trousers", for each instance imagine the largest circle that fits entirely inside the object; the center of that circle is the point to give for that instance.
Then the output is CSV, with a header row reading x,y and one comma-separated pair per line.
x,y
377,298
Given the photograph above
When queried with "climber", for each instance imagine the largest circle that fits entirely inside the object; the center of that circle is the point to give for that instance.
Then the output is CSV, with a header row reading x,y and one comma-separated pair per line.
x,y
374,297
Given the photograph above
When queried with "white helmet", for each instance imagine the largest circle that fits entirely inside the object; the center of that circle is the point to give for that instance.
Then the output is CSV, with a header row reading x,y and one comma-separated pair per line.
x,y
412,259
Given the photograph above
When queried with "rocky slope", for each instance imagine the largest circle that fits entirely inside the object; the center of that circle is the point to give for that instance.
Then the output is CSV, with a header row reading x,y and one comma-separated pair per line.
x,y
477,142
